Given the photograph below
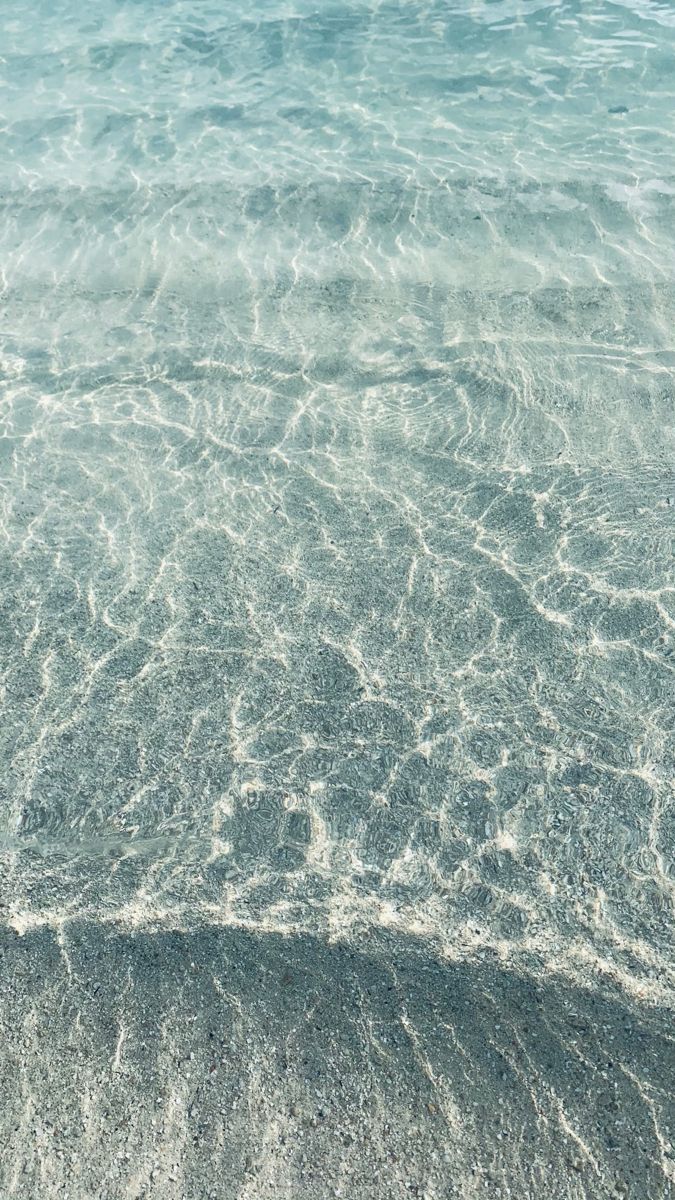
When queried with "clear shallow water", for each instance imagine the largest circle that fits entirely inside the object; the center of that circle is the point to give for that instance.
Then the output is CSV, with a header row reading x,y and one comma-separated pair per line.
x,y
337,493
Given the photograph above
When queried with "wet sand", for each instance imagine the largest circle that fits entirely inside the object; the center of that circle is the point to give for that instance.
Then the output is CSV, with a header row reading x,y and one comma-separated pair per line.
x,y
221,1063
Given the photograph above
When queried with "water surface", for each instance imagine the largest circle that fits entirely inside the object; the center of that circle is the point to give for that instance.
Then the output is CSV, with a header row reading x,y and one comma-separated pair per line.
x,y
337,506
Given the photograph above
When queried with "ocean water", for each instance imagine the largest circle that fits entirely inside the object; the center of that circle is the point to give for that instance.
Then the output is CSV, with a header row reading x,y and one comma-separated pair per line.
x,y
337,578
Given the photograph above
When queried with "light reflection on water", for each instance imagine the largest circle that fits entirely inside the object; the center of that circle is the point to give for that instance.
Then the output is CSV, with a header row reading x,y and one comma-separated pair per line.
x,y
336,489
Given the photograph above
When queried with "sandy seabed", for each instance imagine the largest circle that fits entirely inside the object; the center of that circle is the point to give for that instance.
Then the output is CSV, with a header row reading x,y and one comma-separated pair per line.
x,y
221,1063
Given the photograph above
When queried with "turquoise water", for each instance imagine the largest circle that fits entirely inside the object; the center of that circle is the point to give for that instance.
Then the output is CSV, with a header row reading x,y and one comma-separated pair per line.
x,y
337,484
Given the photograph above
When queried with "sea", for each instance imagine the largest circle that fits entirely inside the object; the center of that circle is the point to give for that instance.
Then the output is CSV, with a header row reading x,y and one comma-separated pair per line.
x,y
337,599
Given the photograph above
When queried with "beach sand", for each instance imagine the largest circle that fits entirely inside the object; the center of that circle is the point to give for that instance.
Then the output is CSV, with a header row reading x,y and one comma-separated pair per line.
x,y
225,1063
